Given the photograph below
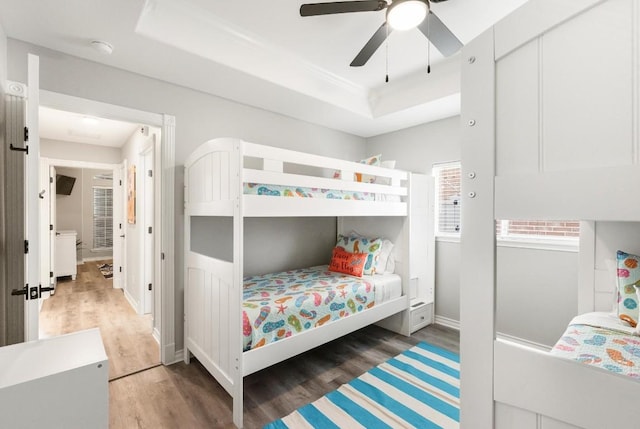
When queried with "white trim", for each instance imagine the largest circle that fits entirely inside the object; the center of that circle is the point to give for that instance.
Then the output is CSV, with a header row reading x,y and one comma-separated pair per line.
x,y
447,322
93,259
556,245
131,301
523,342
156,335
448,238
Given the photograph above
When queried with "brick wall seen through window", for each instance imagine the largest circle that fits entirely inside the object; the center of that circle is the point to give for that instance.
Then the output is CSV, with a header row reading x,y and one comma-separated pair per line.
x,y
448,211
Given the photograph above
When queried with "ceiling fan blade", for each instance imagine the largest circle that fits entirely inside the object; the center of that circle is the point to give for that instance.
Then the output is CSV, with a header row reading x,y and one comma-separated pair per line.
x,y
313,9
438,34
371,46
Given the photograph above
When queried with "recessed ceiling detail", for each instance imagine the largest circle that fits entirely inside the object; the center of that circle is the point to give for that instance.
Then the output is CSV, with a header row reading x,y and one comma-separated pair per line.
x,y
264,54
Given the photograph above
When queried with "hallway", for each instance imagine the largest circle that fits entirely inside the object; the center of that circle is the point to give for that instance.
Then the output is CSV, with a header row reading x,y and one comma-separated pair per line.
x,y
91,301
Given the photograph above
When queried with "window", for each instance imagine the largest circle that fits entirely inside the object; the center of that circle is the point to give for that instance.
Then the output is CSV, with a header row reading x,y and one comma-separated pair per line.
x,y
447,178
448,208
102,218
538,229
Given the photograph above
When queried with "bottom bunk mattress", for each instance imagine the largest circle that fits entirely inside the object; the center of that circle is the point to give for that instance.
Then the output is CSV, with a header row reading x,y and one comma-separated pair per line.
x,y
600,340
279,305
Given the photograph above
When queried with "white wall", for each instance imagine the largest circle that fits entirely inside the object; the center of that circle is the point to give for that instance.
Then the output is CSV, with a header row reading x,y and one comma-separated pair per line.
x,y
3,58
79,152
538,294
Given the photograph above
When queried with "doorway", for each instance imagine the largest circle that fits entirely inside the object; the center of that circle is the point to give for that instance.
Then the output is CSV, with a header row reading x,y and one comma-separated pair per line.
x,y
92,281
164,251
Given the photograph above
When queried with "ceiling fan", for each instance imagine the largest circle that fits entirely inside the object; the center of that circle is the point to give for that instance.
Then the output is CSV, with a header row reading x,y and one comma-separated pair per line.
x,y
400,15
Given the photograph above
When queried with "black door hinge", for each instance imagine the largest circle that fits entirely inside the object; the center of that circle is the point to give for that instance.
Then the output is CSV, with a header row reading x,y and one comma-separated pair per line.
x,y
162,256
150,229
50,179
26,246
51,274
120,269
26,134
150,173
150,287
120,182
50,227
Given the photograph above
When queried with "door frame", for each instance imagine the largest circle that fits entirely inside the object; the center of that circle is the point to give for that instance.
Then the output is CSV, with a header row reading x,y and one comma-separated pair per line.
x,y
148,153
164,252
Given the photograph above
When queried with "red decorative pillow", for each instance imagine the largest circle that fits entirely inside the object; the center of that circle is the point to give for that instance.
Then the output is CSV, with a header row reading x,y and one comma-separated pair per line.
x,y
347,262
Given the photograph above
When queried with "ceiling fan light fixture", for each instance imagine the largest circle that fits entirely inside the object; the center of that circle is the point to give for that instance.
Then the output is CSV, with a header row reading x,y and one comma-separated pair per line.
x,y
406,14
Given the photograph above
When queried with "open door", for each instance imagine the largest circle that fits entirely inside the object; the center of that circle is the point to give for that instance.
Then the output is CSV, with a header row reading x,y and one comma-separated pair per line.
x,y
118,227
32,203
148,194
47,197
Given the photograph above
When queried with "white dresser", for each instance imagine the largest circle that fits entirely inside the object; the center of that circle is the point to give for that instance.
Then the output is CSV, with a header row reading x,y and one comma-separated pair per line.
x,y
65,260
58,382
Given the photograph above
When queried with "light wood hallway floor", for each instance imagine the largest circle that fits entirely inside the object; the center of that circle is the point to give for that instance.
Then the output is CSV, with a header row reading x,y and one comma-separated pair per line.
x,y
90,301
187,396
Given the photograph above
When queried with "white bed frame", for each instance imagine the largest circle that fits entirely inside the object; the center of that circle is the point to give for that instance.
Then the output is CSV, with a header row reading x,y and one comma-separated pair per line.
x,y
214,177
551,118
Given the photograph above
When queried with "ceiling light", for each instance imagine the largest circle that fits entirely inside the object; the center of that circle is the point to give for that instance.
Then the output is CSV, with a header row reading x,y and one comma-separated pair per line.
x,y
88,120
102,47
406,14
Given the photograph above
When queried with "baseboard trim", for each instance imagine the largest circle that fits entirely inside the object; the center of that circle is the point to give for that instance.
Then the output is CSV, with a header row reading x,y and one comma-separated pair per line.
x,y
131,301
95,258
449,323
178,356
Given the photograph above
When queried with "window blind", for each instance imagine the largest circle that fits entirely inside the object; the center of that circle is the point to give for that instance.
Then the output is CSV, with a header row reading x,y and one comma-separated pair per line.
x,y
102,218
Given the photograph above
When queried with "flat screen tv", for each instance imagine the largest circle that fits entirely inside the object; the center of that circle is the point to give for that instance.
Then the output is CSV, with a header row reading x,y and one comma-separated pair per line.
x,y
64,184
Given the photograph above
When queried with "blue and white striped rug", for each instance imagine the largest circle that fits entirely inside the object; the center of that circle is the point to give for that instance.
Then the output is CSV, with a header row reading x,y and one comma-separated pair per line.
x,y
419,388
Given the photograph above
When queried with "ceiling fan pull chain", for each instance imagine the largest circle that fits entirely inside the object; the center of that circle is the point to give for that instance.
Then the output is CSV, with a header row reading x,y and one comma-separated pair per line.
x,y
428,47
386,54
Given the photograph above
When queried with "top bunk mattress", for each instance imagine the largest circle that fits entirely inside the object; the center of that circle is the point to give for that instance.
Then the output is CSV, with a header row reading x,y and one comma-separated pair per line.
x,y
221,171
279,305
305,192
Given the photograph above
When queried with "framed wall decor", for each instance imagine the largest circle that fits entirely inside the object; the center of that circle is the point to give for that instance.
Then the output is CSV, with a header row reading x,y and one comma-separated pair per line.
x,y
131,194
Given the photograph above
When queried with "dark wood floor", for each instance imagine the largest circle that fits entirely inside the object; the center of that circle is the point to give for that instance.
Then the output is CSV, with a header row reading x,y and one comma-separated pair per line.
x,y
188,396
90,301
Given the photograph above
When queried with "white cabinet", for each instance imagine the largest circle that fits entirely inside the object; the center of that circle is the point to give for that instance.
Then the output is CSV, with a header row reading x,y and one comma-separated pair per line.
x,y
421,251
57,382
65,260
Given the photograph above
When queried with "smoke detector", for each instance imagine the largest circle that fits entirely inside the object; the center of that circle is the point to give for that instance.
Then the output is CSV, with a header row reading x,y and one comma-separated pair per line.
x,y
102,47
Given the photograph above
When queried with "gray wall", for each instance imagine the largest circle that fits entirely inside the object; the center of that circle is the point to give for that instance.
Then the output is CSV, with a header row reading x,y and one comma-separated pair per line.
x,y
199,117
537,292
75,212
69,207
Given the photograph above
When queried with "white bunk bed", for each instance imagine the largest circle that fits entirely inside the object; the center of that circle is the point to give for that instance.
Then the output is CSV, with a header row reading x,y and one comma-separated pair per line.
x,y
216,177
551,117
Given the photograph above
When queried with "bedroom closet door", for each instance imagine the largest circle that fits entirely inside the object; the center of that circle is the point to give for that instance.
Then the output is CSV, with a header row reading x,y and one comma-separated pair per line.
x,y
118,227
148,219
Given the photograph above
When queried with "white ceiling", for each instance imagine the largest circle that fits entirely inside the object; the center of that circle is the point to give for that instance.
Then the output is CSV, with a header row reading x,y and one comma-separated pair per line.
x,y
74,127
264,54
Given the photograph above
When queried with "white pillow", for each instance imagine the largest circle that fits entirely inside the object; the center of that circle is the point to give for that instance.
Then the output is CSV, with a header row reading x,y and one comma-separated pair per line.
x,y
385,180
384,256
